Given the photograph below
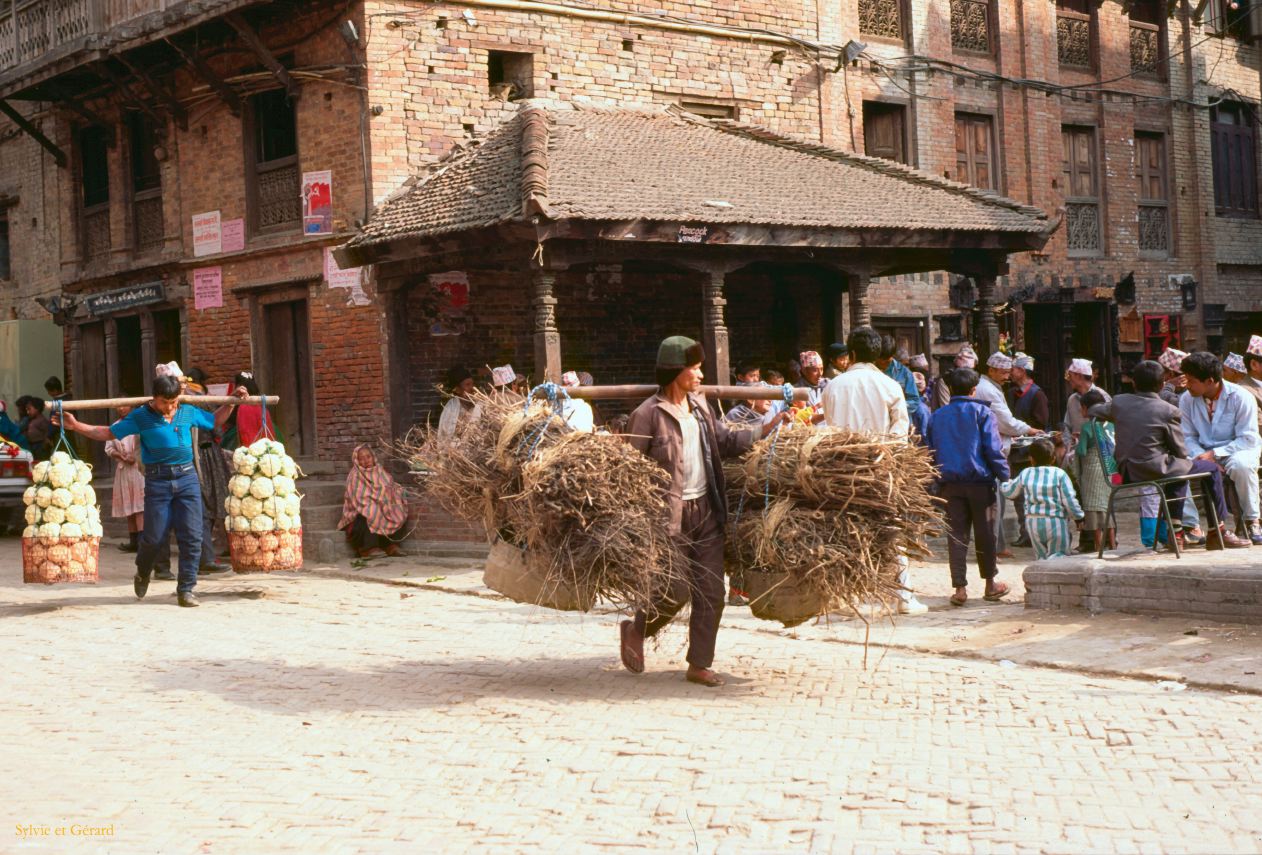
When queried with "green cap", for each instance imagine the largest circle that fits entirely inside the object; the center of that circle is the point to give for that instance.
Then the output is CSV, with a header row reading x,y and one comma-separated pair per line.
x,y
679,351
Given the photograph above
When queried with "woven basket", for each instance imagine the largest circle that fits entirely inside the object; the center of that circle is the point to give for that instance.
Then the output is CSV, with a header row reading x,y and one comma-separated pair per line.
x,y
49,560
778,596
523,578
265,553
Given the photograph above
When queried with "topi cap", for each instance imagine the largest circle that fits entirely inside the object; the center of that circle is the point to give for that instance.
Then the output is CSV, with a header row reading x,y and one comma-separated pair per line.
x,y
999,360
966,358
1172,359
1081,366
810,359
1235,362
679,351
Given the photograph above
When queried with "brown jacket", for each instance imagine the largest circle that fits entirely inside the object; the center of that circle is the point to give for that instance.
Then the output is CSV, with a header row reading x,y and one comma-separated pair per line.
x,y
654,429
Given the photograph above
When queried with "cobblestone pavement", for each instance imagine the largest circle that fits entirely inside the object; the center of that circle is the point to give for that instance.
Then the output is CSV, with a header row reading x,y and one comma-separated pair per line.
x,y
299,713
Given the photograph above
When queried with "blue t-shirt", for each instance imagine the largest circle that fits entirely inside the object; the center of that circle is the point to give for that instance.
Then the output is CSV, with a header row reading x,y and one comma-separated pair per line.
x,y
162,442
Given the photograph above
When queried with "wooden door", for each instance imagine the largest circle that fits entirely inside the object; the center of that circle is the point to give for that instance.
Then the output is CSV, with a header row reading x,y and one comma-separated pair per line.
x,y
93,383
1045,341
885,131
287,351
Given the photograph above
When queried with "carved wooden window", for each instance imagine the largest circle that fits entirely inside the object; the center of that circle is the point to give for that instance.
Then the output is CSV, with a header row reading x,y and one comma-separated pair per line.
x,y
94,185
971,25
1082,191
272,155
1153,193
1148,37
881,18
1073,33
975,150
146,182
1233,132
885,131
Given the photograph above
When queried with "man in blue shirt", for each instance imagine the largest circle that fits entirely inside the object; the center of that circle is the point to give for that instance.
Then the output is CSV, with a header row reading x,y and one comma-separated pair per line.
x,y
173,494
917,413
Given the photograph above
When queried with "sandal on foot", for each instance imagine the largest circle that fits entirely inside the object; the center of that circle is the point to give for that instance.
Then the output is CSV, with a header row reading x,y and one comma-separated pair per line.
x,y
997,593
959,599
632,648
704,677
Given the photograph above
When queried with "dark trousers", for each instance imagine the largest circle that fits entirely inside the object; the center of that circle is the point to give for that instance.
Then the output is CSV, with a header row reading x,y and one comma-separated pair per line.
x,y
361,538
701,539
970,508
1213,489
207,551
173,500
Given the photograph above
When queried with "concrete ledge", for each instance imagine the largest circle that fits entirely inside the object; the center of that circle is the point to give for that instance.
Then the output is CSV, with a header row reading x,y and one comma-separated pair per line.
x,y
1220,587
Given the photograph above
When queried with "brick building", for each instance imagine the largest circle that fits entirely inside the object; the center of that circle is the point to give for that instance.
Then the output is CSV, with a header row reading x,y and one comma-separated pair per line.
x,y
128,120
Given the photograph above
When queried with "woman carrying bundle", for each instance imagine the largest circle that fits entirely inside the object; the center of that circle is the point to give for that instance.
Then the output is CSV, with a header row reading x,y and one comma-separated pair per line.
x,y
374,512
678,430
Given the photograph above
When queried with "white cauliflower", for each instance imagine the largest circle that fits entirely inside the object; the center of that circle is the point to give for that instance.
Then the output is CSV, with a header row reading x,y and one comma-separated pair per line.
x,y
233,506
293,505
30,531
93,529
243,462
283,486
60,457
29,496
44,496
33,515
283,522
239,485
61,475
54,514
62,498
76,514
89,495
83,474
259,448
295,522
39,474
272,506
287,466
261,488
78,494
51,530
71,530
262,523
94,514
240,524
251,507
269,465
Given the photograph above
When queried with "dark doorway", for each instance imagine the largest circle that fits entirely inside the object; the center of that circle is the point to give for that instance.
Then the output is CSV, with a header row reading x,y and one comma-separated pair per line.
x,y
131,361
1238,329
168,344
93,384
910,334
287,350
1057,333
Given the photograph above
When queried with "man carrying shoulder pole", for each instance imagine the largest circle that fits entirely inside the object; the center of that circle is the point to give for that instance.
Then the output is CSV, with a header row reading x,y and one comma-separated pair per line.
x,y
173,496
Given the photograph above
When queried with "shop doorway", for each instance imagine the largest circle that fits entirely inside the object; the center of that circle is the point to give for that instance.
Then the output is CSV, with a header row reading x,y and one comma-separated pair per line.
x,y
1056,334
909,334
93,382
131,361
288,372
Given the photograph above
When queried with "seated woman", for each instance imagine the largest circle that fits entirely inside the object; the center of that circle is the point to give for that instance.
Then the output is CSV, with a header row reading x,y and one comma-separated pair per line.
x,y
374,512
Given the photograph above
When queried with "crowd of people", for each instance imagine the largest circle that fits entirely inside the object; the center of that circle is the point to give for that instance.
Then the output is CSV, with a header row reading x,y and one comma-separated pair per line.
x,y
31,429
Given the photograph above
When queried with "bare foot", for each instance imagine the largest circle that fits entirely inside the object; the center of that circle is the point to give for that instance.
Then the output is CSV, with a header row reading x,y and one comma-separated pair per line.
x,y
704,677
960,597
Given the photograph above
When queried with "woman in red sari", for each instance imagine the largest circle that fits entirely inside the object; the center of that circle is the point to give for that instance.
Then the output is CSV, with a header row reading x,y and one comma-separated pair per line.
x,y
247,419
374,512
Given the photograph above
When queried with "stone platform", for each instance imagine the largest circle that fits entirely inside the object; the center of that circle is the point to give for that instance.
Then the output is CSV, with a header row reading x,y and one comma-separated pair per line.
x,y
1219,586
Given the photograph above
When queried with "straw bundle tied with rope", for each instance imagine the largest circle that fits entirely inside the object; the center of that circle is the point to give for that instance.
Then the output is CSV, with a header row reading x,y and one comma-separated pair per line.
x,y
588,508
833,510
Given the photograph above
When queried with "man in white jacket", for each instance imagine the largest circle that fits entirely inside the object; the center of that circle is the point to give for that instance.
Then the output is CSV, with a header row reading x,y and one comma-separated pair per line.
x,y
990,390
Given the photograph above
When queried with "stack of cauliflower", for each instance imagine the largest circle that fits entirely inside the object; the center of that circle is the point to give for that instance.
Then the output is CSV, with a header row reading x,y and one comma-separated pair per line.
x,y
63,523
264,508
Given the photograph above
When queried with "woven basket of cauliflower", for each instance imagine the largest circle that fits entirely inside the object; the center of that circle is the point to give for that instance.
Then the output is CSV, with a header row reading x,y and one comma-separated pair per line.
x,y
62,538
264,519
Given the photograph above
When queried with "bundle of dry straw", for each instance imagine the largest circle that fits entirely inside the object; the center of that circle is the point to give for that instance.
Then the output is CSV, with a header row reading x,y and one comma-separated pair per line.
x,y
590,508
834,510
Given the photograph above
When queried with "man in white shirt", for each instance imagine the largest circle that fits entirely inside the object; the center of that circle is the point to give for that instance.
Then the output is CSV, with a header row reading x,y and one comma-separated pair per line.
x,y
460,408
990,390
864,399
577,412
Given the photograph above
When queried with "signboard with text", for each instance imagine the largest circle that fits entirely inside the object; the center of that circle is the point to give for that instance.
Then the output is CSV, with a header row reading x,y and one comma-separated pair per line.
x,y
125,298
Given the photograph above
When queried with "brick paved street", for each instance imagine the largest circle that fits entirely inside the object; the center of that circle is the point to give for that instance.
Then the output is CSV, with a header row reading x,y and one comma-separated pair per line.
x,y
312,714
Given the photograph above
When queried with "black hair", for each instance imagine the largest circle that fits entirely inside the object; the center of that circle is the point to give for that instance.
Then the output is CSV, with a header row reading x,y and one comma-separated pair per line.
x,y
197,375
20,403
1202,366
53,384
1250,358
772,372
666,376
837,350
888,347
35,401
456,375
246,379
746,366
864,344
1042,451
1148,376
166,386
1093,397
962,381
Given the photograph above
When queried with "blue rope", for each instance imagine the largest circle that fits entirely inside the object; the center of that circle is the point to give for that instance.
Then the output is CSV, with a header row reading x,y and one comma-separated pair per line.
x,y
550,390
62,443
787,390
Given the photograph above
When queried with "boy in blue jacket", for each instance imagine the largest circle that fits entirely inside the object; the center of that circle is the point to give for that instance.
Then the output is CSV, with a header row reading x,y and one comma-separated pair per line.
x,y
964,437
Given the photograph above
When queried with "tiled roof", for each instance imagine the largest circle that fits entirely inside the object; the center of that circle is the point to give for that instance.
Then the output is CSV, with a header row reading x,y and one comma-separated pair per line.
x,y
586,163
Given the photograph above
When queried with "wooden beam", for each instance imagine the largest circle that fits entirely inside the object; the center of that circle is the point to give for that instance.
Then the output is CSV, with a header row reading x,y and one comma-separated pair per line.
x,y
160,92
247,34
35,133
92,118
124,90
225,92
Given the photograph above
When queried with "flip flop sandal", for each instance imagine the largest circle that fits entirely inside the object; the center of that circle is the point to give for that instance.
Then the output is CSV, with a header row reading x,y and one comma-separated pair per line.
x,y
959,599
632,658
1001,591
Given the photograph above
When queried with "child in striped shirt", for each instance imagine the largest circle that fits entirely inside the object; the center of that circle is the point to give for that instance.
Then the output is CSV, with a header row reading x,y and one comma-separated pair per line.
x,y
1049,502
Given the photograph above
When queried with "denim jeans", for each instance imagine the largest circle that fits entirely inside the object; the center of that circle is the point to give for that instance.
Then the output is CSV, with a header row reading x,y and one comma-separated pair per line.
x,y
207,554
173,500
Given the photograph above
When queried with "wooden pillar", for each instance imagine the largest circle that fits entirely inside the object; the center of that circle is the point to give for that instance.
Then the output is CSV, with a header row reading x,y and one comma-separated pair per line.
x,y
988,333
860,308
112,381
148,350
75,362
714,334
547,338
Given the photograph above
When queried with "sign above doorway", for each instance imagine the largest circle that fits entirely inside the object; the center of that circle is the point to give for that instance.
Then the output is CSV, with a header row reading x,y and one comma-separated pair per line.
x,y
121,299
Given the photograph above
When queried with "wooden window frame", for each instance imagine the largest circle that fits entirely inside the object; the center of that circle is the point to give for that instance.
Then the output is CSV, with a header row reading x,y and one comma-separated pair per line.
x,y
992,31
996,175
1097,185
890,106
249,127
1092,18
86,212
904,38
1162,138
709,108
138,195
1246,131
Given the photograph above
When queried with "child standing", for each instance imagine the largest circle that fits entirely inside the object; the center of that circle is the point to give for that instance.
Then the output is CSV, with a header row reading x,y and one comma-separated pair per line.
x,y
964,438
1049,502
128,499
1096,471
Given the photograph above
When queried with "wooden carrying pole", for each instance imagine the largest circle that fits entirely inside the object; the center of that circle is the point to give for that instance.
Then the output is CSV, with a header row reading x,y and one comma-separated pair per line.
x,y
735,393
111,403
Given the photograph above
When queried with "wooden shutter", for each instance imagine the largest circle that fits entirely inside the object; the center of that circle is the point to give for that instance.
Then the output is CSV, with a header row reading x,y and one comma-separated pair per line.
x,y
884,131
1079,164
1234,150
974,150
1150,167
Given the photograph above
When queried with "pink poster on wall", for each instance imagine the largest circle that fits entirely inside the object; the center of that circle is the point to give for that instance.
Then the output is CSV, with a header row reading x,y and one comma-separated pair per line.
x,y
207,288
232,236
207,236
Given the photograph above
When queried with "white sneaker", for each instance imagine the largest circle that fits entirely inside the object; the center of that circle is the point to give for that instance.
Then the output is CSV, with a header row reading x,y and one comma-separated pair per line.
x,y
911,607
